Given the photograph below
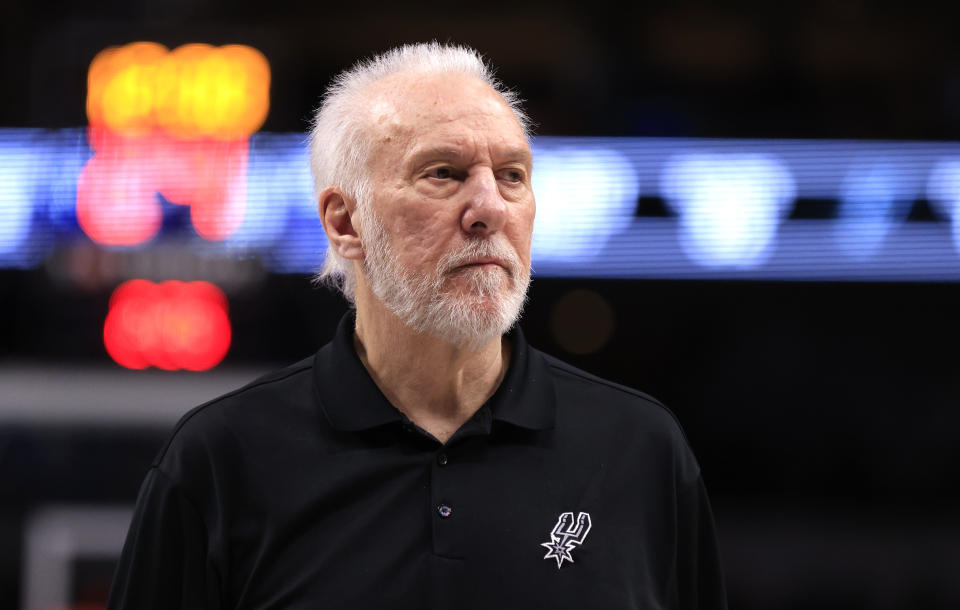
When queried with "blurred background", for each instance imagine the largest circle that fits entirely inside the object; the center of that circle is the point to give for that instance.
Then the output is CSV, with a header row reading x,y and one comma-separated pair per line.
x,y
751,212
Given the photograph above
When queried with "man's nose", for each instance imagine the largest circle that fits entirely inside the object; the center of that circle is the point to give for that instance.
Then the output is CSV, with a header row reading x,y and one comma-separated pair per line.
x,y
485,212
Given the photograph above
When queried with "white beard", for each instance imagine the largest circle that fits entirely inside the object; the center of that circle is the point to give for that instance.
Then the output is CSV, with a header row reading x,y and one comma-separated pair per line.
x,y
490,306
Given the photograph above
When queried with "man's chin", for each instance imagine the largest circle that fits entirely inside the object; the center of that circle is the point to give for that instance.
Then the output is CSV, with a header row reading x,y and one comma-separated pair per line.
x,y
488,282
473,333
480,302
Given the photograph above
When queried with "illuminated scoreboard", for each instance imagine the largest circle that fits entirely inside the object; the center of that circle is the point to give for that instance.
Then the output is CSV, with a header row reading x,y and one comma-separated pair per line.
x,y
173,124
616,208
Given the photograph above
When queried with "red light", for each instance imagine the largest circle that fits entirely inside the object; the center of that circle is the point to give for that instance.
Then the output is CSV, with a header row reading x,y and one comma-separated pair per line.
x,y
172,325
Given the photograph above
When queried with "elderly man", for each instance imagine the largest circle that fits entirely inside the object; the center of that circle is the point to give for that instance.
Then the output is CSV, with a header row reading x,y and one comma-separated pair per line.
x,y
427,457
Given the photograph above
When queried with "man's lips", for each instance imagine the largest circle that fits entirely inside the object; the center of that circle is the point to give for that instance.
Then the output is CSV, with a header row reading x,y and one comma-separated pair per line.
x,y
482,262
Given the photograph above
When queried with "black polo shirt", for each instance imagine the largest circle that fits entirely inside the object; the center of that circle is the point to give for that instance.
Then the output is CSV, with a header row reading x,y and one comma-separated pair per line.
x,y
307,489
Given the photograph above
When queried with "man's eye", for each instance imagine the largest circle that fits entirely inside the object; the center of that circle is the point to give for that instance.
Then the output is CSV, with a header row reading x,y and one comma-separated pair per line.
x,y
440,173
513,175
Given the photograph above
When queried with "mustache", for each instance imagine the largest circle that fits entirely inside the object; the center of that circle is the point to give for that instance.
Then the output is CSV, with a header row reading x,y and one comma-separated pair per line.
x,y
481,248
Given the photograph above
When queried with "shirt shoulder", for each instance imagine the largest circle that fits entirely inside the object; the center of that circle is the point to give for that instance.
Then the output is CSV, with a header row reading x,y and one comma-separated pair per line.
x,y
615,390
607,413
612,394
219,428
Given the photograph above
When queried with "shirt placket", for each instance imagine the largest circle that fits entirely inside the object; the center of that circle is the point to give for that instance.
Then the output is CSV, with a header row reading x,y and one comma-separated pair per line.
x,y
451,514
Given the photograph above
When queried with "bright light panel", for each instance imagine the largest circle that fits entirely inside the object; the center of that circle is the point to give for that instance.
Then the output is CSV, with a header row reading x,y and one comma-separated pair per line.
x,y
730,209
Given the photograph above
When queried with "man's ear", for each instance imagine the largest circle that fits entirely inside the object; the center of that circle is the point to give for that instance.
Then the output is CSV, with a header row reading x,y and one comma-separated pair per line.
x,y
336,213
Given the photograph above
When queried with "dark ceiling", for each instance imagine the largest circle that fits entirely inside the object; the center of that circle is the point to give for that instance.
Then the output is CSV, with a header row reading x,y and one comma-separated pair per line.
x,y
829,69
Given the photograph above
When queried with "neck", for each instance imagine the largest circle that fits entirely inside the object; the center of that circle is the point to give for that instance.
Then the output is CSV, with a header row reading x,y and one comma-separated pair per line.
x,y
436,384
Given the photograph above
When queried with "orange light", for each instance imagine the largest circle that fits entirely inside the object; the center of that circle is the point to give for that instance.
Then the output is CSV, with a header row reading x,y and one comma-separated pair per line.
x,y
172,325
121,91
220,92
196,90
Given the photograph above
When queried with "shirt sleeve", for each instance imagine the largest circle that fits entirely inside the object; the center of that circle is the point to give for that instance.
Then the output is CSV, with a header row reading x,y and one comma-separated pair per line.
x,y
700,584
164,564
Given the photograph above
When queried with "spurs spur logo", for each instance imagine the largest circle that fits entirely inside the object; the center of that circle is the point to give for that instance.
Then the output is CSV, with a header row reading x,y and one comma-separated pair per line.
x,y
565,536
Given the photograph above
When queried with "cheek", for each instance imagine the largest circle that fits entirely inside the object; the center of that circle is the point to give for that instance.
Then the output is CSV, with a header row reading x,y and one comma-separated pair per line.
x,y
526,216
423,232
521,234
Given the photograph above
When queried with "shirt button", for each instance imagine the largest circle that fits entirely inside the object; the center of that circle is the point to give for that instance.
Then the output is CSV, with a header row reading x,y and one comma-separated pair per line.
x,y
444,511
442,459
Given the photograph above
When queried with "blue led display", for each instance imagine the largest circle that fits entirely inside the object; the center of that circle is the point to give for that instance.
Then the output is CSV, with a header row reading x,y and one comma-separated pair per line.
x,y
606,207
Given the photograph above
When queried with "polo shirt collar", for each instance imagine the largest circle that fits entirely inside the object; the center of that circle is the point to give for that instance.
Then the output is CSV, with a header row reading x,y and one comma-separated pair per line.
x,y
526,396
353,402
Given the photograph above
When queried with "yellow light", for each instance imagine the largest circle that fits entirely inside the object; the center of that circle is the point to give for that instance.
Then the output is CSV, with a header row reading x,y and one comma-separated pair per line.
x,y
194,91
121,89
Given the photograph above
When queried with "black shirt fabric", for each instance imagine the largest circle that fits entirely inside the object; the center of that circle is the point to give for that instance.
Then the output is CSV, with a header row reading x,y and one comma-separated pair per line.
x,y
307,489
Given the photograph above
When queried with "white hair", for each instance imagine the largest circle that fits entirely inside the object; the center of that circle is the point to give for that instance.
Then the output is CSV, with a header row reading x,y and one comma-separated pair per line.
x,y
340,142
487,310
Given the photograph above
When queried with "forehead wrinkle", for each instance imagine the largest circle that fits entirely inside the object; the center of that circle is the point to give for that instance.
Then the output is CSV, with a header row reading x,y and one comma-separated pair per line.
x,y
405,106
427,153
468,149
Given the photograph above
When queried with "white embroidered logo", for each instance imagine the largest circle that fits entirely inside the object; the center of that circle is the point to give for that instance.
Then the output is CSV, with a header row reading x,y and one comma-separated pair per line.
x,y
565,536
